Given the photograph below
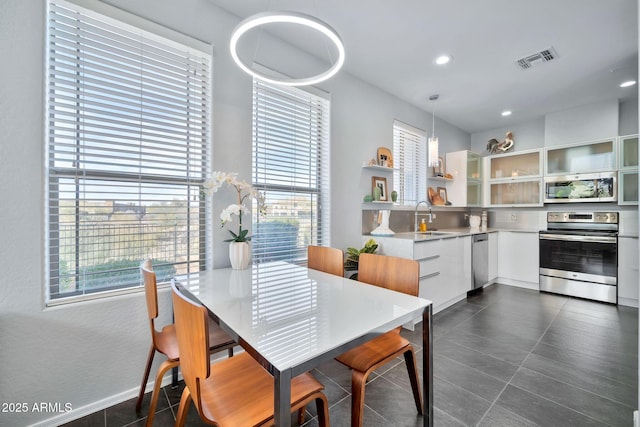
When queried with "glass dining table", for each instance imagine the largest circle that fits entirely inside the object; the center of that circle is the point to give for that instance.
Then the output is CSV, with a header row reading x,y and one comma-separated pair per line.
x,y
292,319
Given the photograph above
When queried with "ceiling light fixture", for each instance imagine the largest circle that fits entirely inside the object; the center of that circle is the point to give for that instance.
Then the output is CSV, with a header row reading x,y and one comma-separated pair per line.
x,y
443,59
628,83
506,113
433,160
287,17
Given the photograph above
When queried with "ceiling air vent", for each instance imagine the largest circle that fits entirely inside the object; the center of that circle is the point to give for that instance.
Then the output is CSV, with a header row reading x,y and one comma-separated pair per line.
x,y
537,58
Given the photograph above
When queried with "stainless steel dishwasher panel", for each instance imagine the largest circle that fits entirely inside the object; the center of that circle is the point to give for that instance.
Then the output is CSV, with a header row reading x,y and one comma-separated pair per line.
x,y
480,260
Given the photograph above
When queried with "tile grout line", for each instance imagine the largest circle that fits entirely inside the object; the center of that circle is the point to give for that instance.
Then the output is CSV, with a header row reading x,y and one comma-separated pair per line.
x,y
520,366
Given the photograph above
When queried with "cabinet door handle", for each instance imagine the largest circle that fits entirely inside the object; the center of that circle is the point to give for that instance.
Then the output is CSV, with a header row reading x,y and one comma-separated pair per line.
x,y
429,276
429,258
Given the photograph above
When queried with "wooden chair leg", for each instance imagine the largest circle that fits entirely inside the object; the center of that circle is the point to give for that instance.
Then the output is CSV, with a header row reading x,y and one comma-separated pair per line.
x,y
358,380
322,407
145,377
230,351
164,367
301,415
183,409
412,367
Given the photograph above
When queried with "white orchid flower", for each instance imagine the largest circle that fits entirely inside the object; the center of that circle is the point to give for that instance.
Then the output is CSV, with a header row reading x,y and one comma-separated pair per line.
x,y
226,214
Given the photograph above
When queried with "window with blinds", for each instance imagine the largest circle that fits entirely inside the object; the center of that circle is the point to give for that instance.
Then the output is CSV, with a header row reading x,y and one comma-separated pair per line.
x,y
127,134
291,169
410,163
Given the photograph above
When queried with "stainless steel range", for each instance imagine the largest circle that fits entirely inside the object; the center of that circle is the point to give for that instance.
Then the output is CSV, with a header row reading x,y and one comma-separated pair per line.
x,y
579,255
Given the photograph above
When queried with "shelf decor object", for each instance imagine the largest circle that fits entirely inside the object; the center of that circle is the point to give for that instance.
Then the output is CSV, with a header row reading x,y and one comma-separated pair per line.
x,y
287,17
379,186
385,158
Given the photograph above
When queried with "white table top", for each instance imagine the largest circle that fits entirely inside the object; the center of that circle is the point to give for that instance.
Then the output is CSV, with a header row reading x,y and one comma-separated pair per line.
x,y
292,315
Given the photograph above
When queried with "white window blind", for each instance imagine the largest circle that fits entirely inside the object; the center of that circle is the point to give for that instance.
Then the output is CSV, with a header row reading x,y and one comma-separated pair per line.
x,y
291,168
410,163
128,119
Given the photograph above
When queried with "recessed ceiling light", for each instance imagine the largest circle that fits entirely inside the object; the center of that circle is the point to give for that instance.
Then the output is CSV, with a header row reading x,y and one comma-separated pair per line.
x,y
506,113
443,59
628,83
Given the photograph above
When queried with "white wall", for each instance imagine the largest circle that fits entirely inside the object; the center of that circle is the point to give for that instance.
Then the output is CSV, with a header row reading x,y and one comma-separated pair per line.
x,y
92,354
581,124
585,123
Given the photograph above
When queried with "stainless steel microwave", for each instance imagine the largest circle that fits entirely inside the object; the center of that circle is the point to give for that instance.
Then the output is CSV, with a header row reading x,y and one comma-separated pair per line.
x,y
595,187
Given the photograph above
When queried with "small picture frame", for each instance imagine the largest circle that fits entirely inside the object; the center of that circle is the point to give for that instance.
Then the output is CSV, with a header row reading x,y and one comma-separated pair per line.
x,y
442,191
439,170
380,183
385,158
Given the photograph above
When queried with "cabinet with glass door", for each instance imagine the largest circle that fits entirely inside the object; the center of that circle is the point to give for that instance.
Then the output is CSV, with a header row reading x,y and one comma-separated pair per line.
x,y
628,172
465,189
585,157
514,179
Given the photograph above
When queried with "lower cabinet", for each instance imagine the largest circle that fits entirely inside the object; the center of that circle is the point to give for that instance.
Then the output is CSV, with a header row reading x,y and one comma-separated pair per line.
x,y
519,259
493,257
628,271
445,266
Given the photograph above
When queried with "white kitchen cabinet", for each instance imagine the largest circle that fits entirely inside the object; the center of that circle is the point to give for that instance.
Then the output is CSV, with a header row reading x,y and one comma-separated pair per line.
x,y
628,271
514,179
518,259
493,257
465,189
628,173
455,270
445,266
584,157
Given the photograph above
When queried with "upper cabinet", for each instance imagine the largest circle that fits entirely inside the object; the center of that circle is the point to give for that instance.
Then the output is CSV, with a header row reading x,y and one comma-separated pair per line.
x,y
628,173
628,148
465,189
514,179
596,156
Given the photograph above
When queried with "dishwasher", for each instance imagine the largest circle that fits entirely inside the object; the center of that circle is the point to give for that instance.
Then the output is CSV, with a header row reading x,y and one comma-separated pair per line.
x,y
479,261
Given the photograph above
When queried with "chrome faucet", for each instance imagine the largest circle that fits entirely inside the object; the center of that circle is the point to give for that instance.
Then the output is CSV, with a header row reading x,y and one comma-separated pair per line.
x,y
415,214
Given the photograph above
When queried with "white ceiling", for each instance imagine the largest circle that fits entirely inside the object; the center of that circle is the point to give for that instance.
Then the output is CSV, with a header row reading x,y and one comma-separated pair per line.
x,y
391,44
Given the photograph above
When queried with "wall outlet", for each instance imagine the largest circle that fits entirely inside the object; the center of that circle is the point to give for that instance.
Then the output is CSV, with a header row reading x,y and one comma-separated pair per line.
x,y
514,217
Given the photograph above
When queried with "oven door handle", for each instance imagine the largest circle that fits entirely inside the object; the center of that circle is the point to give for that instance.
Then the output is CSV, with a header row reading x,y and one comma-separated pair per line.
x,y
578,238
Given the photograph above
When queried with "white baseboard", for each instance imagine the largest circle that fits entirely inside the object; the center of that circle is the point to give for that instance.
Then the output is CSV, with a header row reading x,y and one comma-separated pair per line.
x,y
107,402
518,283
636,420
99,405
628,302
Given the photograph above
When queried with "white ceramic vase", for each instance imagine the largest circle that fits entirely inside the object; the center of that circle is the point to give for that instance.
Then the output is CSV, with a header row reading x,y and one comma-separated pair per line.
x,y
239,255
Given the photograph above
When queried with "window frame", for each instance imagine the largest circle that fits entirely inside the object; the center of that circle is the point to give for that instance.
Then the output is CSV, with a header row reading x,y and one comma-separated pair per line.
x,y
190,183
403,135
320,234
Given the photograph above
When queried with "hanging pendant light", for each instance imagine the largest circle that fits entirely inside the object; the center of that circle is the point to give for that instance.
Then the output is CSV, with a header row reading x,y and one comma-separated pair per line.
x,y
288,17
433,140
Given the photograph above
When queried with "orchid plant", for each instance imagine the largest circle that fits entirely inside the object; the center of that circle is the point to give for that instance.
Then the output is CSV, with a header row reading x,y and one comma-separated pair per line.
x,y
244,190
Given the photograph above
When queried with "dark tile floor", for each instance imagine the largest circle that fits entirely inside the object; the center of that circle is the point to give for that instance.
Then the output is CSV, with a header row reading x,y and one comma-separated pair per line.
x,y
504,357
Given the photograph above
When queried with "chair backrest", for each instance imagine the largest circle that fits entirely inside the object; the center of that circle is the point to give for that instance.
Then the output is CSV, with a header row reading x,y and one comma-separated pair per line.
x,y
192,331
329,260
150,288
397,274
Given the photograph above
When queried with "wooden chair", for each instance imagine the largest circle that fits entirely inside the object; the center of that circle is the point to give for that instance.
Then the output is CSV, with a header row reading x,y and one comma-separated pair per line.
x,y
329,260
234,392
398,274
165,341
